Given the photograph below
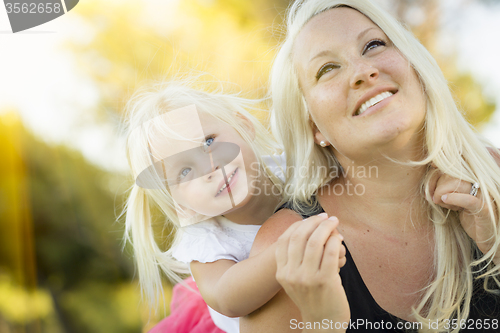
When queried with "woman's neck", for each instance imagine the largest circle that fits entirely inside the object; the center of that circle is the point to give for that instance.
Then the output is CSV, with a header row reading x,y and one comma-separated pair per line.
x,y
387,192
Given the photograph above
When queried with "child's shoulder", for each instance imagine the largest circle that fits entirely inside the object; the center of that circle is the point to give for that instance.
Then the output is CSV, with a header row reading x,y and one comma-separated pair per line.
x,y
201,226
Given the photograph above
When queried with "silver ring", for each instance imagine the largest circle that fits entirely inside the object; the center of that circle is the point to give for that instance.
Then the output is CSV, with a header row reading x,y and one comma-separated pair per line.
x,y
474,189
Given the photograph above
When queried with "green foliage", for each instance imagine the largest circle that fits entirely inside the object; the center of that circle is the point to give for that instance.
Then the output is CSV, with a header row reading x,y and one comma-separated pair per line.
x,y
84,279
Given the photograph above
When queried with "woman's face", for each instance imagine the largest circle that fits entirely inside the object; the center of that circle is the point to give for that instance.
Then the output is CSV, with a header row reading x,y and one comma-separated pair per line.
x,y
362,94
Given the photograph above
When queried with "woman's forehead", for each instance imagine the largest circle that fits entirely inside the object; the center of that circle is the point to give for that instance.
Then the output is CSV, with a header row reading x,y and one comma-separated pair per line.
x,y
333,26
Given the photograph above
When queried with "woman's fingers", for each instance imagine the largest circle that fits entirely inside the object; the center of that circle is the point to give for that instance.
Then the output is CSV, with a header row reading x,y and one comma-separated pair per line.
x,y
447,185
475,218
302,247
433,183
330,263
291,243
316,243
300,236
342,257
463,201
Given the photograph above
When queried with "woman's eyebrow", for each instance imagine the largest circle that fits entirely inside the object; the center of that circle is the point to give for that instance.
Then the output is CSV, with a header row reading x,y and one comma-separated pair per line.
x,y
325,52
362,33
322,53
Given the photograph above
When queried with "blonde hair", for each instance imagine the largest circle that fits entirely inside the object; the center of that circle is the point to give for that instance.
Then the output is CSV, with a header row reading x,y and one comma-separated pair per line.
x,y
450,143
143,123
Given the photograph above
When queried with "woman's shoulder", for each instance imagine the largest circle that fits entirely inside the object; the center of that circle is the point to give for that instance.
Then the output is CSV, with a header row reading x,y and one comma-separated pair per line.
x,y
286,215
272,229
303,208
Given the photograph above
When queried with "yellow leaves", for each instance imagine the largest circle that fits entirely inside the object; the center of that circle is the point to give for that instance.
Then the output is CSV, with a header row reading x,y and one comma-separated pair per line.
x,y
225,38
98,307
18,305
468,93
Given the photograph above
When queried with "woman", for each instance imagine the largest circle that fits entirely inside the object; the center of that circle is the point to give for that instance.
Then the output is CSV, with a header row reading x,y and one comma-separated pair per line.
x,y
353,91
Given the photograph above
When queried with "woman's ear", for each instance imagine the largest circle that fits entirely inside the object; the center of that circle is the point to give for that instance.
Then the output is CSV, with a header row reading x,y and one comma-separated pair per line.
x,y
319,138
246,123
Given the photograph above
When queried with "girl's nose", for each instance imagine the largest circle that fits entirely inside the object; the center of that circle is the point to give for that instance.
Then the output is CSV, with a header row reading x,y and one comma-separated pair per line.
x,y
363,73
211,171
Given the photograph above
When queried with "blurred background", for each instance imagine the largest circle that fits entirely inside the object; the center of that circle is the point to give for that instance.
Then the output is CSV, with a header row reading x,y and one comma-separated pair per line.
x,y
63,171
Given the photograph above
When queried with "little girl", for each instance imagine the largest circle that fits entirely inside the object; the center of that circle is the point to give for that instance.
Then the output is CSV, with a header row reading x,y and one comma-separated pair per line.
x,y
212,169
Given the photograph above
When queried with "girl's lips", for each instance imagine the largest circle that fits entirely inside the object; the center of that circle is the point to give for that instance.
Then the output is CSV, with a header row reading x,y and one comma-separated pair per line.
x,y
232,178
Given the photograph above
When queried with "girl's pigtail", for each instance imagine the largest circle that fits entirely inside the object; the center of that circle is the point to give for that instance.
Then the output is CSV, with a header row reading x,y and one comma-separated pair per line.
x,y
148,256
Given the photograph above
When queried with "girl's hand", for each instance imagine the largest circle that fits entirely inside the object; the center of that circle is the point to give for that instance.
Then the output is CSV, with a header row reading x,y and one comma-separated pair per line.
x,y
309,256
454,194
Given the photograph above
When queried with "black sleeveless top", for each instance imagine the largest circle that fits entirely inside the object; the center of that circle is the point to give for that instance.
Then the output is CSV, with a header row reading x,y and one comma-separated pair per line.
x,y
368,316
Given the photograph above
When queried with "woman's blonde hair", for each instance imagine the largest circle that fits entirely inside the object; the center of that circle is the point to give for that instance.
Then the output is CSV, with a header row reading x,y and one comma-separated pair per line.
x,y
143,124
450,143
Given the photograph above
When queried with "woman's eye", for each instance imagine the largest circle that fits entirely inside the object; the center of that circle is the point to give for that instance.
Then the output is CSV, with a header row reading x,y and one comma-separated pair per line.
x,y
373,44
184,172
325,69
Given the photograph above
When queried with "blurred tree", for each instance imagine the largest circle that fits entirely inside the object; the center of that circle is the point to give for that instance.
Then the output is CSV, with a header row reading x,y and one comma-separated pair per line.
x,y
424,19
17,256
230,39
82,280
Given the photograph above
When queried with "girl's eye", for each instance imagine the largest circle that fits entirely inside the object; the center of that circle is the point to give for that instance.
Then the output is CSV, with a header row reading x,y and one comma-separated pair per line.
x,y
373,44
325,69
208,142
184,172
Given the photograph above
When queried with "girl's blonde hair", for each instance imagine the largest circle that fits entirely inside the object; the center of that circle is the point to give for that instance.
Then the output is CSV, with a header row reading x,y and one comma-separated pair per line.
x,y
450,143
143,124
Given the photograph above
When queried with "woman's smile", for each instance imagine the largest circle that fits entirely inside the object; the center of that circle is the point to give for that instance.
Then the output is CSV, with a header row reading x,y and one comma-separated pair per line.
x,y
367,101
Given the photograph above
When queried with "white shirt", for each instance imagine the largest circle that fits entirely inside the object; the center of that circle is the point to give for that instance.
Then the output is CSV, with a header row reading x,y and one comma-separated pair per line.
x,y
212,240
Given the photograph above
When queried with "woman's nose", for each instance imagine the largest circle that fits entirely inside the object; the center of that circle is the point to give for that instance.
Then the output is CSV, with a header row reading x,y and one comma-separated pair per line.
x,y
363,73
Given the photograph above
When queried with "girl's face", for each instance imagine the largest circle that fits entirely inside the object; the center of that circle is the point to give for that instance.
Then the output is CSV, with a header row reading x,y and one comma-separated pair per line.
x,y
209,167
362,94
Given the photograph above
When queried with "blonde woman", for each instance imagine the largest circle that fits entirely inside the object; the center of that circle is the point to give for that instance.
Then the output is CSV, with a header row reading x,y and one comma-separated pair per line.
x,y
367,121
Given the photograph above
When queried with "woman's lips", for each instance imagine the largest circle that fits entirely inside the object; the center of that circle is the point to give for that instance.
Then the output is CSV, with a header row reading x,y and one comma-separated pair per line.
x,y
374,108
372,95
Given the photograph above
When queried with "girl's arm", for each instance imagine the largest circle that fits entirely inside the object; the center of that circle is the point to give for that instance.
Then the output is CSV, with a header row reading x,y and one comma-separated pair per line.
x,y
237,289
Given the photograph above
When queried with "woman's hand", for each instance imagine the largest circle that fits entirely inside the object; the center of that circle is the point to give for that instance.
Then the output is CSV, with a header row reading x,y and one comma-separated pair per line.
x,y
454,194
309,256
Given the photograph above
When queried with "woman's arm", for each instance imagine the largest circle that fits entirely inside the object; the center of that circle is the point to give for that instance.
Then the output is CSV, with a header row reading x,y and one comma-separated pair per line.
x,y
236,289
309,255
454,194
